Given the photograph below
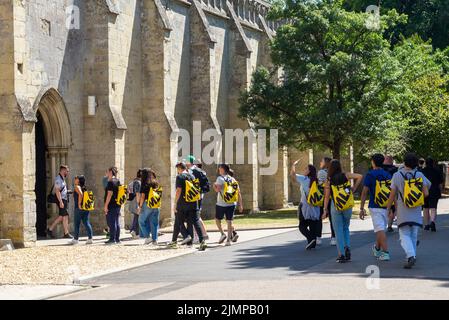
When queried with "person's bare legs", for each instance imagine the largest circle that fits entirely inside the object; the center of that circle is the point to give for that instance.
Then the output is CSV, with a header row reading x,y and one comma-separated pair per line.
x,y
220,228
230,229
65,224
203,228
433,214
426,216
55,223
381,240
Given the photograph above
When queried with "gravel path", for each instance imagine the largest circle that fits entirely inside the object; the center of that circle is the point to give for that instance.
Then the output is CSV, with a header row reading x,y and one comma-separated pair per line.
x,y
63,263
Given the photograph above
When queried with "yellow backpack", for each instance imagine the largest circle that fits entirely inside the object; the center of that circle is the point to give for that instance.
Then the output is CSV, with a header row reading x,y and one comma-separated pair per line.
x,y
316,195
154,200
122,195
88,201
343,196
192,190
413,191
382,192
230,192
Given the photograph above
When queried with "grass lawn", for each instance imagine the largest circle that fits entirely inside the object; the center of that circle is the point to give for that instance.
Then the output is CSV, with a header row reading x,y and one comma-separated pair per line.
x,y
270,219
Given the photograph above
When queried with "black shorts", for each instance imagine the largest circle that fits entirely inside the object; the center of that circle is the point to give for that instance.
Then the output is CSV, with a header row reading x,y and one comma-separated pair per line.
x,y
430,203
64,211
221,212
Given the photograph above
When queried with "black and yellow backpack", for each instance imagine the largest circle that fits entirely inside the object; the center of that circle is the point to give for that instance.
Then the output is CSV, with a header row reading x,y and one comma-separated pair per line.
x,y
122,194
87,203
192,189
316,194
230,192
413,195
343,196
382,191
154,199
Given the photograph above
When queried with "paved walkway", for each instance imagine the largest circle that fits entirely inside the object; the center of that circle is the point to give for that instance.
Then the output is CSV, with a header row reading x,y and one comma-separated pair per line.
x,y
278,267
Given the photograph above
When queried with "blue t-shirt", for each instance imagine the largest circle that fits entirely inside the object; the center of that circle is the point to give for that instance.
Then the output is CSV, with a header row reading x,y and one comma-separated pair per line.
x,y
370,182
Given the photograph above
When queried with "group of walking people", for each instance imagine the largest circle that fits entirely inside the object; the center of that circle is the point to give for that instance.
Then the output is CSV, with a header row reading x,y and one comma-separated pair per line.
x,y
144,197
394,194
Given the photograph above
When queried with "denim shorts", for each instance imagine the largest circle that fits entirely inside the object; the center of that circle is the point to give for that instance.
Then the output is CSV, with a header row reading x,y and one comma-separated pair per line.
x,y
221,212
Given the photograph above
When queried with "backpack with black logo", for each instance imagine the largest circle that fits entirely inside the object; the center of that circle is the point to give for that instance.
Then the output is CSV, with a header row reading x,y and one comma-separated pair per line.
x,y
88,201
316,194
202,177
342,195
382,191
192,189
230,190
413,195
154,200
122,194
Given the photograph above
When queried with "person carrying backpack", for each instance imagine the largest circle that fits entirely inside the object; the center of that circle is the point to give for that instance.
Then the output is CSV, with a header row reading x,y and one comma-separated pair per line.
x,y
228,196
83,205
195,168
322,178
115,196
377,184
389,166
133,202
311,200
188,193
409,187
149,207
339,193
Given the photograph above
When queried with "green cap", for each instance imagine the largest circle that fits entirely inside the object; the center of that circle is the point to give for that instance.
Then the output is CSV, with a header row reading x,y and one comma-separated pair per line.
x,y
191,159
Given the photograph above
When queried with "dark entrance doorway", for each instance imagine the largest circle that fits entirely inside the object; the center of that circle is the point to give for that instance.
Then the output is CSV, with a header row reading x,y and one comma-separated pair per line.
x,y
41,178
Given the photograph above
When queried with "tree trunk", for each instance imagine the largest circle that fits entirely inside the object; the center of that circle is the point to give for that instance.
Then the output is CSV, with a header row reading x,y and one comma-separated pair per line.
x,y
336,149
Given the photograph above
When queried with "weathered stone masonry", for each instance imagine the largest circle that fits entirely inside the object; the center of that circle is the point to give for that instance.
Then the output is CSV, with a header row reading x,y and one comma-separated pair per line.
x,y
153,66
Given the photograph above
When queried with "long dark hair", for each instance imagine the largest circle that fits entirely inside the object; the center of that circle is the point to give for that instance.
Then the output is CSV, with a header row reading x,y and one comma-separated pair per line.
x,y
149,178
312,174
82,182
334,169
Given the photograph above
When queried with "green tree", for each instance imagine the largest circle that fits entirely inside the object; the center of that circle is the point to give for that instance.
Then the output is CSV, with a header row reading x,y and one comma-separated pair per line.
x,y
340,79
427,18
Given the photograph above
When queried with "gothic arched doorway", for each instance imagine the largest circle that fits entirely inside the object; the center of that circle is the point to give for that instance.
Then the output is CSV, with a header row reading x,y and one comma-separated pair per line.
x,y
52,142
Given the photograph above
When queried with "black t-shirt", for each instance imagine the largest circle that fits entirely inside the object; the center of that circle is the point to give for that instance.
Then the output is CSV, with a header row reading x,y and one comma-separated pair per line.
x,y
112,186
181,183
145,188
436,178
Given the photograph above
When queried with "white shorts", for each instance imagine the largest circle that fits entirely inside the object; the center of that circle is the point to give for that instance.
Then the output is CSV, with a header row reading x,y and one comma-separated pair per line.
x,y
379,217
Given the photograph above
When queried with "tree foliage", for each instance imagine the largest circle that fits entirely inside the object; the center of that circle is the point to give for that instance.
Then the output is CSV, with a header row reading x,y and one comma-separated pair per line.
x,y
340,78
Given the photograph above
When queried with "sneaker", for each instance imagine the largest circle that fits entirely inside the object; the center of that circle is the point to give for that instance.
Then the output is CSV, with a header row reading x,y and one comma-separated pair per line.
x,y
203,246
347,254
154,243
341,259
228,243
433,227
74,242
376,252
390,229
319,241
134,235
109,242
235,237
427,227
50,234
67,236
187,240
384,256
222,238
147,241
311,245
173,245
333,242
410,263
89,241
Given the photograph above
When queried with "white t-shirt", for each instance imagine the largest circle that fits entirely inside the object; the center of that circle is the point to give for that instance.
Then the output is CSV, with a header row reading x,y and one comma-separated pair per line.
x,y
221,181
